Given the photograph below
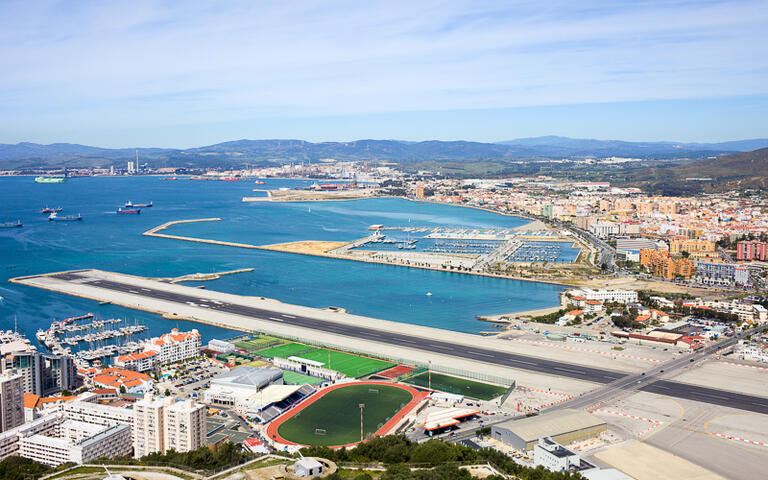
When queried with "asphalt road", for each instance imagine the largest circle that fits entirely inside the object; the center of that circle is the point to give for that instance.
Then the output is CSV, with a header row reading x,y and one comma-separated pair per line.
x,y
614,382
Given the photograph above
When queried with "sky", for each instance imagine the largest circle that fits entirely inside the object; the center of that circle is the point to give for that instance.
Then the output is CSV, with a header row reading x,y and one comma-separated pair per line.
x,y
191,73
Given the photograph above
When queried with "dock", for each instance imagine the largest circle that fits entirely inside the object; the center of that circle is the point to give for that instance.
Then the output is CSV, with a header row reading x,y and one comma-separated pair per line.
x,y
465,354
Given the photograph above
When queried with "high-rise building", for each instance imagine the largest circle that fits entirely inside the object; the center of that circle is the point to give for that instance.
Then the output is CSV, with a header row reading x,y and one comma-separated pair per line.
x,y
162,424
752,250
42,374
11,401
175,346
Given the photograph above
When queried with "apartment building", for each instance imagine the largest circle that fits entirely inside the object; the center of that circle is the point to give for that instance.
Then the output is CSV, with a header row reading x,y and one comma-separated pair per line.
x,y
42,374
161,424
714,273
11,400
662,264
53,439
605,295
175,346
139,361
690,245
752,250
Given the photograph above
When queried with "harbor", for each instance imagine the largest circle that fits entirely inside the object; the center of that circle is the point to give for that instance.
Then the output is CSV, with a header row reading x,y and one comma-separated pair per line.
x,y
90,339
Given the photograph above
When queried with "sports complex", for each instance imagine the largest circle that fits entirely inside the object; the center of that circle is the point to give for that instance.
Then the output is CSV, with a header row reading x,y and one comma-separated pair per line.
x,y
331,417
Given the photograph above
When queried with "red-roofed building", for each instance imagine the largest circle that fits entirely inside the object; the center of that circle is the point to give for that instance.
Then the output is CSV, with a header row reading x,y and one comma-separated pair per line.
x,y
140,361
134,382
255,445
175,346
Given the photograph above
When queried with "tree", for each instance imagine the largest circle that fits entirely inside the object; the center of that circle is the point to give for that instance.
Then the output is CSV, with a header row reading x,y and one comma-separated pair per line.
x,y
167,392
433,451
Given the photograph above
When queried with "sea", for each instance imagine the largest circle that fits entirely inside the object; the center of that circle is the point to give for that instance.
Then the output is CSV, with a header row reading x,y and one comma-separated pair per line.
x,y
112,242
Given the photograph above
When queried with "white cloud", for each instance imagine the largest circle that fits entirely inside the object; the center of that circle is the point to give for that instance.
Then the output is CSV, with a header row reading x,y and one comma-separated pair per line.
x,y
164,63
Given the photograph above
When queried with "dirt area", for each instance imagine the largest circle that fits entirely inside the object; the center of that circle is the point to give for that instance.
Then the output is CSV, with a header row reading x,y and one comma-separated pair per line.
x,y
645,462
631,283
727,376
313,196
308,247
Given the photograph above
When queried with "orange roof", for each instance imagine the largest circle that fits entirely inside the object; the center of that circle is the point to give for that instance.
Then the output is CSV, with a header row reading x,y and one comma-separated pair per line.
x,y
579,298
115,377
136,356
642,318
57,399
31,400
594,302
104,391
575,312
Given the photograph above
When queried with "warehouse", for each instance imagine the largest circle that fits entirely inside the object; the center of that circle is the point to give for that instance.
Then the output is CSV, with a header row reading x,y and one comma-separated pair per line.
x,y
563,426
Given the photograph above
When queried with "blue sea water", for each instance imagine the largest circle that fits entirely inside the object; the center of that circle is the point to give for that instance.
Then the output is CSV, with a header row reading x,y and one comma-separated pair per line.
x,y
113,242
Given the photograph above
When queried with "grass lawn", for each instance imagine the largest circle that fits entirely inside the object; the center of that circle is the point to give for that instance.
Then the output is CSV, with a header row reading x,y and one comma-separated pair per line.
x,y
257,343
460,386
285,351
350,365
295,378
338,414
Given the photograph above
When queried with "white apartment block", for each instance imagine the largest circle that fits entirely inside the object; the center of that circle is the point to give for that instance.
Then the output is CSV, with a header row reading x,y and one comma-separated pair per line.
x,y
161,424
184,426
53,440
175,346
605,295
11,400
138,362
85,409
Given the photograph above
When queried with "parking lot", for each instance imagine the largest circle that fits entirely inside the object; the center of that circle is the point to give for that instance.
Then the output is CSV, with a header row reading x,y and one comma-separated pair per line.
x,y
192,379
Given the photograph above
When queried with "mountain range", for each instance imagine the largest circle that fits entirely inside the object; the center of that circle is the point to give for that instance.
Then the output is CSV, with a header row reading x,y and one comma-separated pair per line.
x,y
263,152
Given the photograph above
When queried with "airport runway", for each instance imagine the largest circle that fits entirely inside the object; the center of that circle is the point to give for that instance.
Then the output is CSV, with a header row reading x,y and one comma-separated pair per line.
x,y
432,345
611,379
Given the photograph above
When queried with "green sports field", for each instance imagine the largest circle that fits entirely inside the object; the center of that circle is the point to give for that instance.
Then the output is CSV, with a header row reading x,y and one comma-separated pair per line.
x,y
337,415
285,351
346,363
460,386
296,378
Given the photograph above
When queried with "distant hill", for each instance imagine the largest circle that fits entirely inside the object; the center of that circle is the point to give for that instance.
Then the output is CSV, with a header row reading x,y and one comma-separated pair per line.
x,y
278,151
553,145
741,170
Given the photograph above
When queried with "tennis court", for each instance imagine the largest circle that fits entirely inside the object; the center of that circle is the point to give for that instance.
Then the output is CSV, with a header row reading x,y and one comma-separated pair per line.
x,y
459,386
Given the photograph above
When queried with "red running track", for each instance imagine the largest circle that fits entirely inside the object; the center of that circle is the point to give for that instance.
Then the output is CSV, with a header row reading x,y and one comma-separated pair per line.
x,y
418,396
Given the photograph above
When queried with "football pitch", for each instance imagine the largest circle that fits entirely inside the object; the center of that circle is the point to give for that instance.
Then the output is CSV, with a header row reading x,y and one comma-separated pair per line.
x,y
346,363
460,386
334,418
285,351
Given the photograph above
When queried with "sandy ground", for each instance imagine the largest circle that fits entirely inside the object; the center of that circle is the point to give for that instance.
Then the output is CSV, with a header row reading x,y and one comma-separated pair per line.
x,y
312,196
645,462
734,378
308,247
630,283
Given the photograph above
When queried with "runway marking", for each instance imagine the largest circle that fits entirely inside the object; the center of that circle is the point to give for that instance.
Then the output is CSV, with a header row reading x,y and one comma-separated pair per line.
x,y
289,316
276,319
479,353
563,369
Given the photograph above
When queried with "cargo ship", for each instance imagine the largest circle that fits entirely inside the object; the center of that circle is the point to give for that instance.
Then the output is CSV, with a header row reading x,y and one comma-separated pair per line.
x,y
51,210
16,224
67,218
128,211
129,204
44,179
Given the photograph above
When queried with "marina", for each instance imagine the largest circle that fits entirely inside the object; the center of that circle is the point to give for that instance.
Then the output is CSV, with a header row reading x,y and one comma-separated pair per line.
x,y
90,339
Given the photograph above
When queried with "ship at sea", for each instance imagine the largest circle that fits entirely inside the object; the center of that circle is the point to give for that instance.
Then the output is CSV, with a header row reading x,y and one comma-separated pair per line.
x,y
128,211
16,224
66,218
51,210
44,179
130,204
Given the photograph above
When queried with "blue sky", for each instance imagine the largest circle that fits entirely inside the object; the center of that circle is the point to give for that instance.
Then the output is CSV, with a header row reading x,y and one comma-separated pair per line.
x,y
190,73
